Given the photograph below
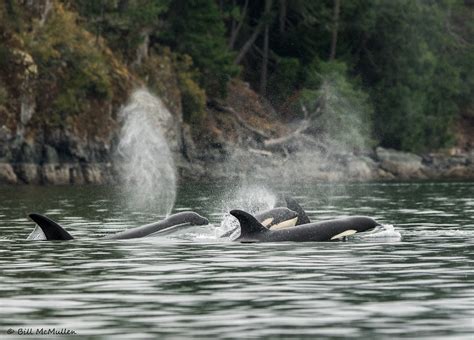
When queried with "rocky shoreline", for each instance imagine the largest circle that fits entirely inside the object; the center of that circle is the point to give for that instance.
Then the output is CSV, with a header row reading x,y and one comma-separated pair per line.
x,y
380,165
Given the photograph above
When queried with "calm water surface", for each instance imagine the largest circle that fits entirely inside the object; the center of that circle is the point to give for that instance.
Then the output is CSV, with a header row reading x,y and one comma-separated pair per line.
x,y
198,286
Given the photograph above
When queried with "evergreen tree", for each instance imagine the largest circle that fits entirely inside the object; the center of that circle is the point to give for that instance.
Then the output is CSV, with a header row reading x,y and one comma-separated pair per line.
x,y
197,29
126,24
403,57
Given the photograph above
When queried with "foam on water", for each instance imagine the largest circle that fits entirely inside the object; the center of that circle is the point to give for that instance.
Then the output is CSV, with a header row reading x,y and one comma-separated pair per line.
x,y
386,232
144,159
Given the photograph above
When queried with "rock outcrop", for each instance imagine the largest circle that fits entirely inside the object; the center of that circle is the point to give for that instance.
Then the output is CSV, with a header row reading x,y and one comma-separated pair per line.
x,y
402,165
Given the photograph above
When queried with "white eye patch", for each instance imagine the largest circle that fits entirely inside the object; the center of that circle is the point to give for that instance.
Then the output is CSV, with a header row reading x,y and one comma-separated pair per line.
x,y
267,221
344,233
285,224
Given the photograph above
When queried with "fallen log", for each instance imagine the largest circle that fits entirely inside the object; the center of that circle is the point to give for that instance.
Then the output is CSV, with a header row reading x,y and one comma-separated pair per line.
x,y
282,141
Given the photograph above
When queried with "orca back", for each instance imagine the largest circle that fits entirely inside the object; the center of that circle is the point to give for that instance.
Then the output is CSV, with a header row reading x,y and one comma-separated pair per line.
x,y
293,205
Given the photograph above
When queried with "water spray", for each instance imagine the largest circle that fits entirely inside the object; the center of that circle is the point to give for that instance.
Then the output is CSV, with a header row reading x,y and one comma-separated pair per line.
x,y
144,160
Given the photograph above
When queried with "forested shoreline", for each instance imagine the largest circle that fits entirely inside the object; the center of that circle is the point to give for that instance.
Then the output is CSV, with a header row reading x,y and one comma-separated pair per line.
x,y
274,77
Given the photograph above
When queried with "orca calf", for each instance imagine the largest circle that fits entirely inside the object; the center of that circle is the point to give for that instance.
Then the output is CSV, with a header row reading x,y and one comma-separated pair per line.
x,y
276,218
53,231
251,230
293,205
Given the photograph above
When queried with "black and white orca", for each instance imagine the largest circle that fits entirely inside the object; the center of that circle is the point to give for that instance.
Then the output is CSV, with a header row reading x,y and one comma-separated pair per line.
x,y
253,231
276,218
50,230
279,218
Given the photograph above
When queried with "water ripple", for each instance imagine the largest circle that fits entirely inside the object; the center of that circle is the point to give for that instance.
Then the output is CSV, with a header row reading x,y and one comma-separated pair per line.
x,y
419,287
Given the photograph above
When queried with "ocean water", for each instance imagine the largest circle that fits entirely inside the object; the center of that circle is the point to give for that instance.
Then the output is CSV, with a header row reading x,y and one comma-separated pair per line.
x,y
193,284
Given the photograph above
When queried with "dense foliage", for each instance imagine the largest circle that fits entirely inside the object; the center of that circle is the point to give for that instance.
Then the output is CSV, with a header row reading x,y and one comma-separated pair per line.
x,y
397,72
405,65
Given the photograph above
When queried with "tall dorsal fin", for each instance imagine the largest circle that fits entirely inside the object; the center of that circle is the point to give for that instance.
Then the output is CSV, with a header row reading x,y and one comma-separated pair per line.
x,y
293,205
51,229
248,224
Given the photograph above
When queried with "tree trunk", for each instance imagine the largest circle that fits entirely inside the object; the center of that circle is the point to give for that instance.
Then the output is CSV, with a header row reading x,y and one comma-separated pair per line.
x,y
100,22
335,28
264,70
236,29
282,18
243,51
233,24
263,74
48,6
142,49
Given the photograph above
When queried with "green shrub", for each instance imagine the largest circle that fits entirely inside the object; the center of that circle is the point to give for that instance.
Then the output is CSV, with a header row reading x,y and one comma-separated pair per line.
x,y
193,97
68,56
285,79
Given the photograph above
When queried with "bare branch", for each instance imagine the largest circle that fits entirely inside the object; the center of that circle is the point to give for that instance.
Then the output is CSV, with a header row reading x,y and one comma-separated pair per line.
x,y
239,118
281,141
248,44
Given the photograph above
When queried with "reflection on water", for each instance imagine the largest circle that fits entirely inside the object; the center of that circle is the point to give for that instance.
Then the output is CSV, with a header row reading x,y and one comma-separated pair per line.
x,y
421,286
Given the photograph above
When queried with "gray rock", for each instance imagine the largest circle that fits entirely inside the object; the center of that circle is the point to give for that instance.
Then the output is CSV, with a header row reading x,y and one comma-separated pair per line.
x,y
93,174
5,153
29,153
7,175
459,172
57,174
50,155
401,164
361,169
188,146
384,175
27,106
76,174
77,148
5,134
29,173
79,151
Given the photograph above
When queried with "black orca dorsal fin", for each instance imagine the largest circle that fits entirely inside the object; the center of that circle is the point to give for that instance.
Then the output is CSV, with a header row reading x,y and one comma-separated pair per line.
x,y
293,205
248,224
51,229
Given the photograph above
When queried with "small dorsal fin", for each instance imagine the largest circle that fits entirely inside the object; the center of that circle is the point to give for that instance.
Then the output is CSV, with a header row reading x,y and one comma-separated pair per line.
x,y
248,224
51,229
293,205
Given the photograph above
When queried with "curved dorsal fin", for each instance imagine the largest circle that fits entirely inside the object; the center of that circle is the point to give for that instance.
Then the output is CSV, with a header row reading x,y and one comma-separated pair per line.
x,y
293,205
51,229
248,224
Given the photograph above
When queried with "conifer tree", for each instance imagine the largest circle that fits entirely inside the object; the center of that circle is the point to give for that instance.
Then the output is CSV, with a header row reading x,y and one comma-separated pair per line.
x,y
197,29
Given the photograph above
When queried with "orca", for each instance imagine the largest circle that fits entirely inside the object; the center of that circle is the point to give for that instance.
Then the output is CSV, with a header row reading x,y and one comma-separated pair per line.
x,y
293,205
276,218
53,231
253,231
279,218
